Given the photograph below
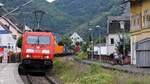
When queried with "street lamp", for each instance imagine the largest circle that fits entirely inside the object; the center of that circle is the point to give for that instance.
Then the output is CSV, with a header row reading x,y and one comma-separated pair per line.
x,y
122,26
92,42
90,29
98,27
100,36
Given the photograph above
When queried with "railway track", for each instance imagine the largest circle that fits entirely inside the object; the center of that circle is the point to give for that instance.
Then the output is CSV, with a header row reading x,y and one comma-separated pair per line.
x,y
32,79
64,55
44,79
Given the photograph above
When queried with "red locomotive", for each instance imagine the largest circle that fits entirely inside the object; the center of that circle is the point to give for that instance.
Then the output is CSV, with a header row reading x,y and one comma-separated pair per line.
x,y
37,51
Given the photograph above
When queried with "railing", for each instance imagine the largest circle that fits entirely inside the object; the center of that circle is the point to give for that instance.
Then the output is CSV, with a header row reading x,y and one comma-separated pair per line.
x,y
136,22
110,59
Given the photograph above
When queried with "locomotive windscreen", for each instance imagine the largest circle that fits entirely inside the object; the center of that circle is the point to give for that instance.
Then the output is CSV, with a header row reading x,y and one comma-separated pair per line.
x,y
38,40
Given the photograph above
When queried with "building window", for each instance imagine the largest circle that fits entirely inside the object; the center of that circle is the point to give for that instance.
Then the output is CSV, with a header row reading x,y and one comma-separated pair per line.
x,y
136,22
112,41
7,27
146,18
14,36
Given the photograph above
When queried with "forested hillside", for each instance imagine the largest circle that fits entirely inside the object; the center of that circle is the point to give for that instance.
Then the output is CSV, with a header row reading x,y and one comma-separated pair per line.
x,y
66,15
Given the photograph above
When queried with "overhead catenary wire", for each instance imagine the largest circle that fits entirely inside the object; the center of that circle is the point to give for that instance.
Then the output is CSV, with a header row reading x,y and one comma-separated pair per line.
x,y
17,8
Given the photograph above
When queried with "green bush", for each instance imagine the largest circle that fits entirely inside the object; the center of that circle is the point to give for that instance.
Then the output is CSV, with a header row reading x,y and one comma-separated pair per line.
x,y
94,75
61,44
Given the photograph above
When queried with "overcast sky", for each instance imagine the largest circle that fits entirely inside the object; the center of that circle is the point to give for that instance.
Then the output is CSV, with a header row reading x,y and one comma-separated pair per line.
x,y
50,1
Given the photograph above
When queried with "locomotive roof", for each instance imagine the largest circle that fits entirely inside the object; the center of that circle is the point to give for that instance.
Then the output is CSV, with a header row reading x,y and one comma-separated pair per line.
x,y
38,33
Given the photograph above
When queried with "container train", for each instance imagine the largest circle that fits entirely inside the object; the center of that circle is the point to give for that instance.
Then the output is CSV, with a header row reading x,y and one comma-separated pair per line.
x,y
38,49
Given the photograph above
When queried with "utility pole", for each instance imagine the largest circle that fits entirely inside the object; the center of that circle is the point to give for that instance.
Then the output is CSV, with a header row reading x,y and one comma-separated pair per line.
x,y
100,37
122,26
92,43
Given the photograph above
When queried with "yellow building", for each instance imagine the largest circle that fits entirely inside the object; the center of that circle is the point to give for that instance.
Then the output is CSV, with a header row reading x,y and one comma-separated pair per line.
x,y
140,32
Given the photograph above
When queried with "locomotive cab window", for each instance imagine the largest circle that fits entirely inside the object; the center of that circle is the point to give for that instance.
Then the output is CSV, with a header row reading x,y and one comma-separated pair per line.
x,y
38,40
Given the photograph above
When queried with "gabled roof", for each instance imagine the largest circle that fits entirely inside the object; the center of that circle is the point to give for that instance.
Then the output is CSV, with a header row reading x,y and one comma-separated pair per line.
x,y
12,24
10,19
26,28
4,30
76,35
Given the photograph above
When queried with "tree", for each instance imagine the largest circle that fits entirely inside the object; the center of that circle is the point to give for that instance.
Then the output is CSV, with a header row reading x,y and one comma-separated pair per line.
x,y
66,41
60,43
19,42
85,45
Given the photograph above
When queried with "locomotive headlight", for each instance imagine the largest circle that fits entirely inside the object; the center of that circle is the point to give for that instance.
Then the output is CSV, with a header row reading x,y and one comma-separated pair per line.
x,y
28,56
47,57
29,51
45,51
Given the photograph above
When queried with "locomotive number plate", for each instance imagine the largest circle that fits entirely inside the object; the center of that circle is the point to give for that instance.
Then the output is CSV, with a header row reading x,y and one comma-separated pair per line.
x,y
37,56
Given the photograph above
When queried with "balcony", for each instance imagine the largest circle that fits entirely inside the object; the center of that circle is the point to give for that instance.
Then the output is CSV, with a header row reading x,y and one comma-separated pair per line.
x,y
136,22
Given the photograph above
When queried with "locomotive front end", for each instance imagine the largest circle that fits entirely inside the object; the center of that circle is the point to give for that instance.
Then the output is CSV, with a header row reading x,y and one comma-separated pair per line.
x,y
37,51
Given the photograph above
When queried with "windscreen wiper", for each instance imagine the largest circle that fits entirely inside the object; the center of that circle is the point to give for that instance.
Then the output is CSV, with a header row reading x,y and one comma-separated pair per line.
x,y
38,41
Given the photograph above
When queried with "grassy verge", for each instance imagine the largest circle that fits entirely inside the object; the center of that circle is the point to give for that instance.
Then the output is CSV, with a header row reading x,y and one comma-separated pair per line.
x,y
71,72
81,56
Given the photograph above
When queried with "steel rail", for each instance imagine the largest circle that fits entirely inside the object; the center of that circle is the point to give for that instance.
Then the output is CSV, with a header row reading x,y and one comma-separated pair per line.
x,y
50,80
29,79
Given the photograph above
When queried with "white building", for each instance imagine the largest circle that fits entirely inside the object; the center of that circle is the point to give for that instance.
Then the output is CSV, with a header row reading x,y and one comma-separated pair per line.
x,y
100,49
112,40
13,28
114,31
76,38
6,39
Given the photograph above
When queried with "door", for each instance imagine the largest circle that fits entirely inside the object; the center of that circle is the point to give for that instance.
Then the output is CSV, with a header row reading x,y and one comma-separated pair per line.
x,y
143,53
